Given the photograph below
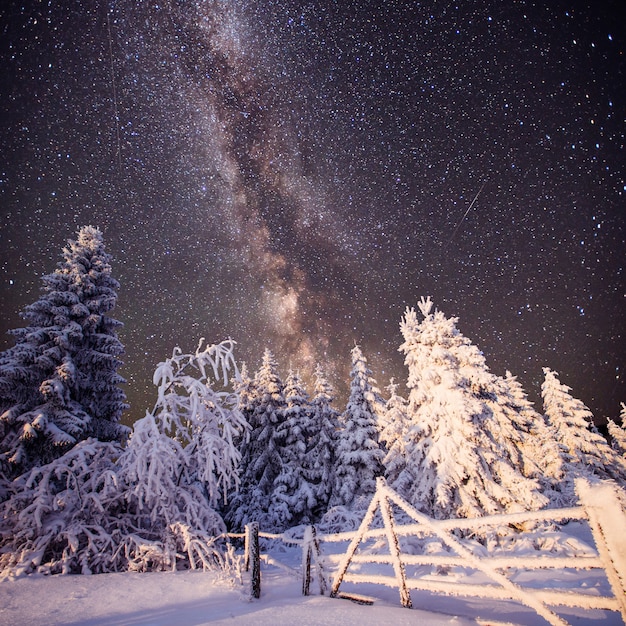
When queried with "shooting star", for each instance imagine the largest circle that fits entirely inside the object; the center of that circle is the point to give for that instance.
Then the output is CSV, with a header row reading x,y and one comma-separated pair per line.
x,y
469,208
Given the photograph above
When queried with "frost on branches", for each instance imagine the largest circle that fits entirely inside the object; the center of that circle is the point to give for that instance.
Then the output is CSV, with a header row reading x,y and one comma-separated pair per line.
x,y
458,460
152,506
59,383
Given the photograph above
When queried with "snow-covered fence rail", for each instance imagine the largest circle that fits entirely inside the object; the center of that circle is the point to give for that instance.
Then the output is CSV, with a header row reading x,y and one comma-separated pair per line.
x,y
599,508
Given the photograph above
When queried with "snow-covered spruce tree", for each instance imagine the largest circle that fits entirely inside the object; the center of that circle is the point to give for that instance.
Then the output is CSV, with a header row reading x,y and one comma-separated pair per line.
x,y
152,506
586,451
359,455
261,453
395,427
456,466
322,453
618,433
59,383
294,497
540,450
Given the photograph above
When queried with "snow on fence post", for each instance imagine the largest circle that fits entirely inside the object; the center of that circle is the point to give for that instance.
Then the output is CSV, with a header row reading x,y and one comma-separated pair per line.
x,y
246,549
394,546
252,553
354,544
607,521
311,556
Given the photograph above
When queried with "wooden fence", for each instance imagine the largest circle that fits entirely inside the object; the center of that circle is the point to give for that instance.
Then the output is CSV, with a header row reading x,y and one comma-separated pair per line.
x,y
604,519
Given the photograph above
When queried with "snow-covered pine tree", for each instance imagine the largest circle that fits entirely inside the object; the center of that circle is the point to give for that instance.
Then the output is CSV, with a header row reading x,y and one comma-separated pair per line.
x,y
320,459
586,451
294,497
261,453
59,383
456,464
541,452
359,455
396,424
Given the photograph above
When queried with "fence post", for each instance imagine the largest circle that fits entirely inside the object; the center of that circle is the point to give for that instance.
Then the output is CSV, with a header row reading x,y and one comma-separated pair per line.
x,y
607,522
246,549
252,553
394,548
307,551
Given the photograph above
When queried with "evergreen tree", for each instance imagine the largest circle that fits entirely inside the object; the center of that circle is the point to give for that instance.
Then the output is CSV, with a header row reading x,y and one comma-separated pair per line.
x,y
59,383
262,453
585,450
395,427
457,462
541,452
294,497
245,390
321,458
359,455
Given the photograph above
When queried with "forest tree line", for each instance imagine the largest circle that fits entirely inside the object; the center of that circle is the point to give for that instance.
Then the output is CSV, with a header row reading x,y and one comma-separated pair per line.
x,y
80,492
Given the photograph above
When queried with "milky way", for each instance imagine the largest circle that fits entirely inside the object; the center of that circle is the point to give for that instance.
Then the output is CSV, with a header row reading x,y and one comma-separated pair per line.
x,y
293,175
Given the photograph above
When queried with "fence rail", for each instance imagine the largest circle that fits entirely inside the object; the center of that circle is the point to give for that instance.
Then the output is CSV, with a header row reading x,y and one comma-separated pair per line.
x,y
609,545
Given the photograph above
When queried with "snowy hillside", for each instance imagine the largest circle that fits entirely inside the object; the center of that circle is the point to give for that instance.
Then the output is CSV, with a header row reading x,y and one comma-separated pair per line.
x,y
194,598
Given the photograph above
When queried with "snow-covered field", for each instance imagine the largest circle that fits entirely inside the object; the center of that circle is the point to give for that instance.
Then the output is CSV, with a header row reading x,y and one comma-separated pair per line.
x,y
187,599
194,598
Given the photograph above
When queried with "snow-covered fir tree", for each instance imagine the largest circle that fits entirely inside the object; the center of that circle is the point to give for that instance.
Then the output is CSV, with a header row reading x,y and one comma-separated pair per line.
x,y
59,383
321,457
359,455
262,453
457,464
395,427
541,452
294,497
585,450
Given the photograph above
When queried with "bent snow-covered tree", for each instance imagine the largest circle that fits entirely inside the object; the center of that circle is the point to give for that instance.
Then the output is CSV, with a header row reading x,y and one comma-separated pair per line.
x,y
59,383
182,459
456,463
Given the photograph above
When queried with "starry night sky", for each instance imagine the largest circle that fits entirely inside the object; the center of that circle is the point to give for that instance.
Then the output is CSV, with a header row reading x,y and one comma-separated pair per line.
x,y
294,174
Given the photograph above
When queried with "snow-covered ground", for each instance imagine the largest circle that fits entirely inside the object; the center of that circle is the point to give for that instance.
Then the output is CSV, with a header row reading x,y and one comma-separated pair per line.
x,y
194,598
187,599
